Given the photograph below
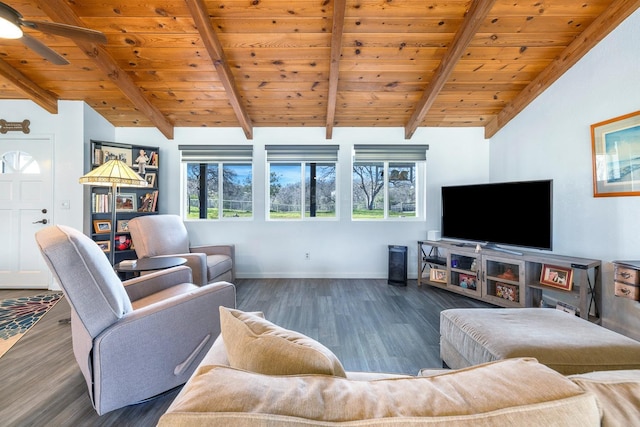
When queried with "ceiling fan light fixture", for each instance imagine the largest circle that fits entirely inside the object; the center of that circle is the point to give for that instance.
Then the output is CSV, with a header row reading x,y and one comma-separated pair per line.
x,y
9,29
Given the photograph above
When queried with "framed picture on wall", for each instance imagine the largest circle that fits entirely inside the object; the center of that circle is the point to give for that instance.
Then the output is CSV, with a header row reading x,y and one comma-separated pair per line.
x,y
616,156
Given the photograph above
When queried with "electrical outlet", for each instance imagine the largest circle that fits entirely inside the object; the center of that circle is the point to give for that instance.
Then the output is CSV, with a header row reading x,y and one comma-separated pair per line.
x,y
307,256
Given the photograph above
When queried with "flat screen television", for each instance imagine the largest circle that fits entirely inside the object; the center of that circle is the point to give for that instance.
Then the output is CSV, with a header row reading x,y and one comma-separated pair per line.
x,y
516,213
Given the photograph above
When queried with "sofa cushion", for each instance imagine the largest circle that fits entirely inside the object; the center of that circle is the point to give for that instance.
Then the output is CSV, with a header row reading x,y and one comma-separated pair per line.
x,y
618,393
569,344
257,345
519,392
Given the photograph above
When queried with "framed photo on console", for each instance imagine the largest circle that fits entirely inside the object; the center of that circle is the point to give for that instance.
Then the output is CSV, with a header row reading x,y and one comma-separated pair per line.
x,y
438,275
508,292
616,156
558,277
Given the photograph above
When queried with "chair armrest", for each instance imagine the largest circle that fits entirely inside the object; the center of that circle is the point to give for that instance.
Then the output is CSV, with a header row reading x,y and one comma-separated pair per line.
x,y
198,264
140,287
214,250
229,250
157,347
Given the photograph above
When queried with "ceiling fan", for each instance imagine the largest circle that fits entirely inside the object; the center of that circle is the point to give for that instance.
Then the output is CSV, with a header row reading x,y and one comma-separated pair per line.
x,y
11,22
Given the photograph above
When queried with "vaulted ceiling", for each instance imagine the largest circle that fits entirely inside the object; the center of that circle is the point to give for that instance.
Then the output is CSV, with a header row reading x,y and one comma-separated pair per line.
x,y
308,63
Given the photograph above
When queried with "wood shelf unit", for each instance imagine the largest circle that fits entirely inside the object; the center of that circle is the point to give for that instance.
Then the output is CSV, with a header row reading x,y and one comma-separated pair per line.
x,y
510,279
145,199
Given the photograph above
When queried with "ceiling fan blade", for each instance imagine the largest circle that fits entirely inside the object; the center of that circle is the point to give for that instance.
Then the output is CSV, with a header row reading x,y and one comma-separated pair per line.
x,y
69,31
42,50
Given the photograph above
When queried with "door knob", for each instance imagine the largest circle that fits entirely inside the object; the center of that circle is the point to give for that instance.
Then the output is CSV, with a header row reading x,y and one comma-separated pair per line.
x,y
42,221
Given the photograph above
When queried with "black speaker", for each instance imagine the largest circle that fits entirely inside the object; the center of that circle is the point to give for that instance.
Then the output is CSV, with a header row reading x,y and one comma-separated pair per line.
x,y
397,265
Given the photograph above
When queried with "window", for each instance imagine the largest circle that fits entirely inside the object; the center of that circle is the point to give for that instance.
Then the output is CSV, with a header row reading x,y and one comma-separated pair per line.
x,y
19,162
218,181
385,181
302,181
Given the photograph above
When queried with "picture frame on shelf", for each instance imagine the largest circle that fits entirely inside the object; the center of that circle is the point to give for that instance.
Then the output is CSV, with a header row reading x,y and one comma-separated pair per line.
x,y
438,275
110,153
154,159
123,226
467,281
507,291
126,202
101,226
150,177
557,277
105,245
616,156
148,202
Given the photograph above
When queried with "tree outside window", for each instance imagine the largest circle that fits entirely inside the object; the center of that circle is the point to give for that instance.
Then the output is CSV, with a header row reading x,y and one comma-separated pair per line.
x,y
383,190
288,197
204,186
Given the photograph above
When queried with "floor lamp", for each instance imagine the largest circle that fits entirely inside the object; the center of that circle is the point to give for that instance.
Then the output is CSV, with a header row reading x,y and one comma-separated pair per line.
x,y
114,173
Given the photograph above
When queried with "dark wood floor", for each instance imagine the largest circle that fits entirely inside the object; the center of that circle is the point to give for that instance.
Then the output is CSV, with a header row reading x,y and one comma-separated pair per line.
x,y
369,325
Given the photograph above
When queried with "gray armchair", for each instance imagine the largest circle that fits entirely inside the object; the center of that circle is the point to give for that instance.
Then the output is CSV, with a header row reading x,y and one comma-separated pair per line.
x,y
166,235
135,341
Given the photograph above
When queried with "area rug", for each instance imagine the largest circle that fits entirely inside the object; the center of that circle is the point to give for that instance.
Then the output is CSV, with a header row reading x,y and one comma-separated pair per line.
x,y
18,315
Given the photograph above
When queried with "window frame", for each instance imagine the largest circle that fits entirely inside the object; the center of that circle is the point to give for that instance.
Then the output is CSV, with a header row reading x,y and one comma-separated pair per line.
x,y
392,154
302,156
222,156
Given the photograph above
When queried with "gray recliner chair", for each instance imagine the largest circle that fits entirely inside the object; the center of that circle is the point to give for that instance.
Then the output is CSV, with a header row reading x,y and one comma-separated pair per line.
x,y
166,235
135,339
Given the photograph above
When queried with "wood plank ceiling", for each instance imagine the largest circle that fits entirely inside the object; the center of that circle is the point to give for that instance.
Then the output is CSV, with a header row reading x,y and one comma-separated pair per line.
x,y
308,63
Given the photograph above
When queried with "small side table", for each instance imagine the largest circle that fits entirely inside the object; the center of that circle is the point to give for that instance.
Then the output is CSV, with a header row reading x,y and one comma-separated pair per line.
x,y
148,264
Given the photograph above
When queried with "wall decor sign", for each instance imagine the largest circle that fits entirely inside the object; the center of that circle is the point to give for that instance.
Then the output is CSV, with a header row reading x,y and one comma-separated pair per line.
x,y
6,126
616,156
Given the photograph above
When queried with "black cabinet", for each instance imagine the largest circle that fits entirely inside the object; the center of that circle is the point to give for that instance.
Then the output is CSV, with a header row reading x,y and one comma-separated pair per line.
x,y
397,265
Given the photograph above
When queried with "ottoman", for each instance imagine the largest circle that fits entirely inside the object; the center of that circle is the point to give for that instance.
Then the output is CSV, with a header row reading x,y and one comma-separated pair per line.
x,y
565,343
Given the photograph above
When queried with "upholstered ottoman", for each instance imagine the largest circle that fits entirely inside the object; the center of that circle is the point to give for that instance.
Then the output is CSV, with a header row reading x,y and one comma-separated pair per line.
x,y
565,343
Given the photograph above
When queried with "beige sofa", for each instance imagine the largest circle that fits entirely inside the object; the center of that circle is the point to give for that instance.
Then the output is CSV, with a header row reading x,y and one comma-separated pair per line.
x,y
257,374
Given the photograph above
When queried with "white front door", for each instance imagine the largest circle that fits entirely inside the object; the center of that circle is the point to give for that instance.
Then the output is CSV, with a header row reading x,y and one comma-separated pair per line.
x,y
26,195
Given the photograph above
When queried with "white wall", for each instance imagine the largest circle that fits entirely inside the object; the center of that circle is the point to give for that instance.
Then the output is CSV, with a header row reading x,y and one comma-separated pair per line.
x,y
551,139
340,248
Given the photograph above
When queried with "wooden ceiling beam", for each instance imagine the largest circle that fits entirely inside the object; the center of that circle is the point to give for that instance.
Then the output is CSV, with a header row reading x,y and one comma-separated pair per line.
x,y
337,30
472,22
202,20
24,84
613,16
60,12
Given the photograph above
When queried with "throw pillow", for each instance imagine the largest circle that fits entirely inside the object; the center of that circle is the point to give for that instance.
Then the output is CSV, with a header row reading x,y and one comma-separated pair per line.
x,y
255,344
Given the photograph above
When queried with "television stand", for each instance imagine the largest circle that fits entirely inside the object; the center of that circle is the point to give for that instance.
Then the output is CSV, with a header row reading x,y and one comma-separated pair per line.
x,y
508,278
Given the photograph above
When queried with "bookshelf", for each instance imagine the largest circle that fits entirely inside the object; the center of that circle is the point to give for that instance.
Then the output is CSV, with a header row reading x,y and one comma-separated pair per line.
x,y
130,201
